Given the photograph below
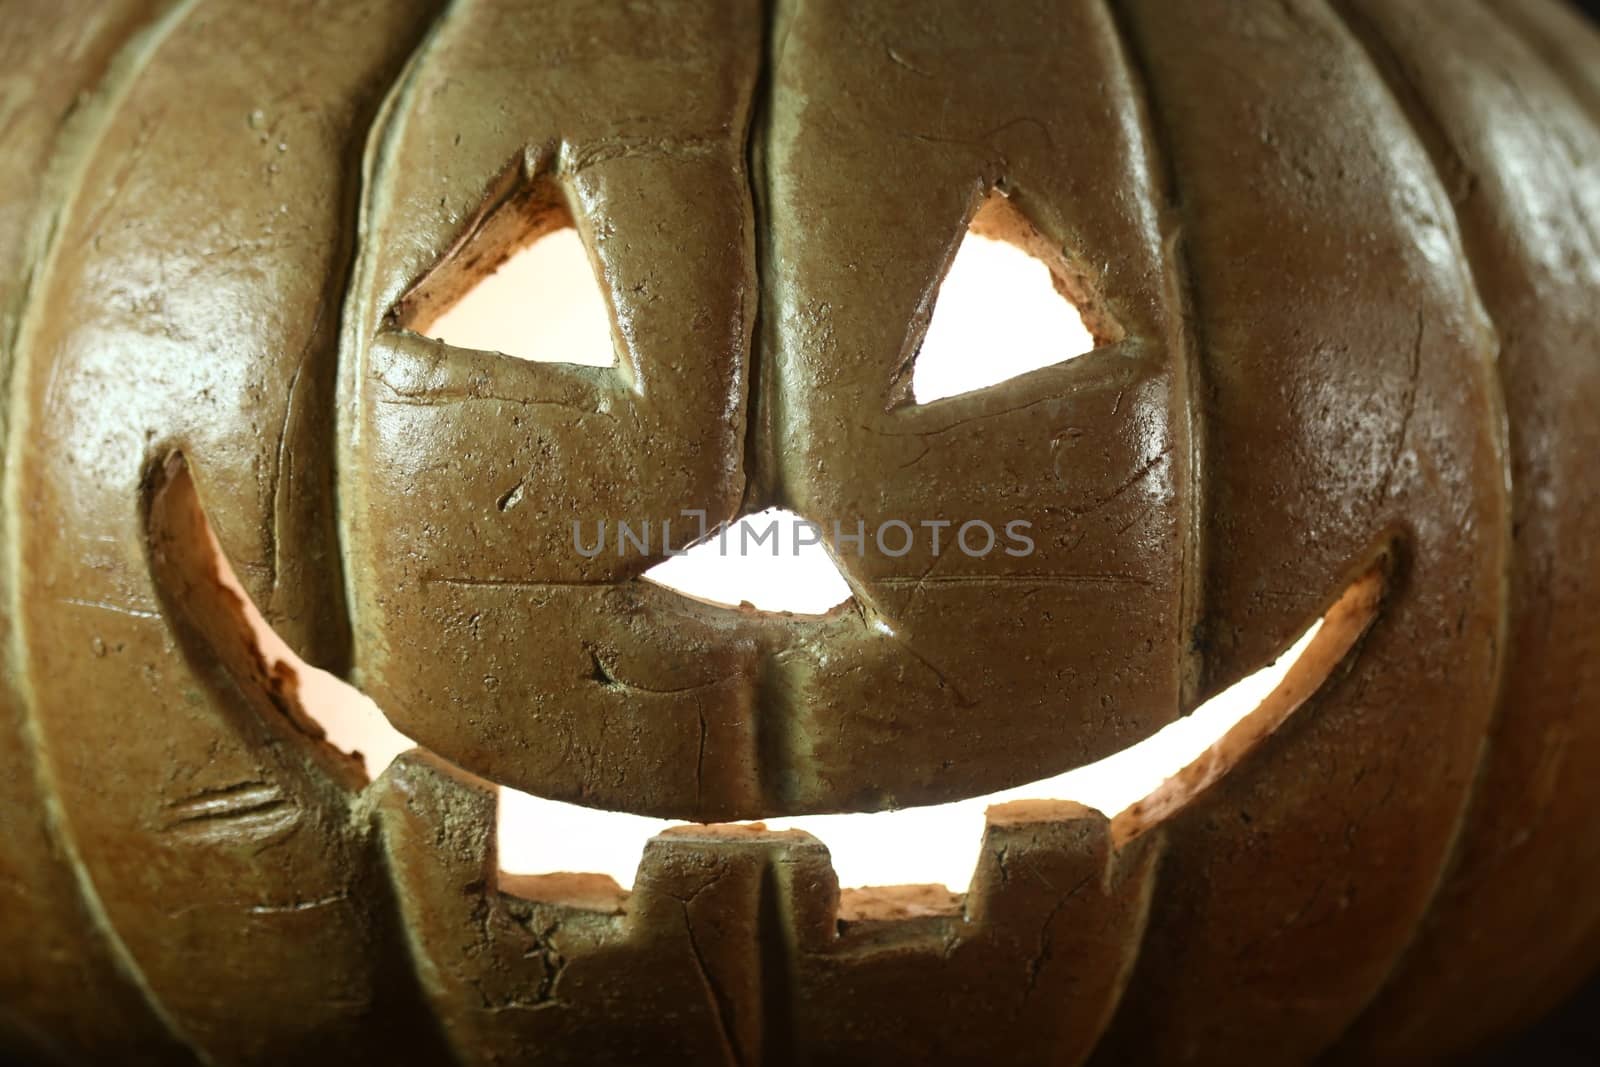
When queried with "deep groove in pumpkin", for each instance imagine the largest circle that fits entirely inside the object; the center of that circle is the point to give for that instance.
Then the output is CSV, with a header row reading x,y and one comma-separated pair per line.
x,y
1186,337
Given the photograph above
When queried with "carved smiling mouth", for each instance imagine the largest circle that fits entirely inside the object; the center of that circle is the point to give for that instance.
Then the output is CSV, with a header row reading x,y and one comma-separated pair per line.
x,y
1128,794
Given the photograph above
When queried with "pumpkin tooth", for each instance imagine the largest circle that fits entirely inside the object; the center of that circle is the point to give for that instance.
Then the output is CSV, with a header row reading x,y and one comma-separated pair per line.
x,y
736,932
1051,925
1139,787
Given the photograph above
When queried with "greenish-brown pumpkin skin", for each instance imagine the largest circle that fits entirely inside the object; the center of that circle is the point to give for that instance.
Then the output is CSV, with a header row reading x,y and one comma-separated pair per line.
x,y
1350,251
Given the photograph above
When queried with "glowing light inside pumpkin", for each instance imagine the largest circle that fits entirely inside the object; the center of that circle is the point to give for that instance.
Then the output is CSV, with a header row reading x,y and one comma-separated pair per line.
x,y
351,721
997,315
772,560
543,304
934,844
940,843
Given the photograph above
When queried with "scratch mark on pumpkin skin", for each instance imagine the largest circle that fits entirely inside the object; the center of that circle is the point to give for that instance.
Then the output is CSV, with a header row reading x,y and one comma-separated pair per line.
x,y
985,140
1410,402
1042,953
279,461
714,995
443,374
1147,468
605,675
299,905
117,609
901,61
248,811
712,880
967,419
440,400
681,148
516,583
917,583
700,760
550,957
1016,579
962,700
1139,515
281,450
918,458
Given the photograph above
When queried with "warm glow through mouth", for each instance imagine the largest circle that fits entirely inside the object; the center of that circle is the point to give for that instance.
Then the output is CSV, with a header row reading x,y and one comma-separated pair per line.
x,y
1137,787
999,301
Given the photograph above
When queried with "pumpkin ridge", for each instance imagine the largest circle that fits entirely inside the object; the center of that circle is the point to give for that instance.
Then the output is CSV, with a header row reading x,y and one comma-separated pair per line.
x,y
135,144
1291,155
350,350
1499,270
1184,337
1561,48
1440,153
77,139
1518,18
763,467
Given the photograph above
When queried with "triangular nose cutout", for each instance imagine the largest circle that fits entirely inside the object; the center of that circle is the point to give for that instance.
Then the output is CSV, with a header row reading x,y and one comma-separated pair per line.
x,y
773,561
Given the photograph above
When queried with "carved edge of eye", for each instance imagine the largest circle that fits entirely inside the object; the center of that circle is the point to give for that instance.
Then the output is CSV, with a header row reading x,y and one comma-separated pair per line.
x,y
519,281
1009,302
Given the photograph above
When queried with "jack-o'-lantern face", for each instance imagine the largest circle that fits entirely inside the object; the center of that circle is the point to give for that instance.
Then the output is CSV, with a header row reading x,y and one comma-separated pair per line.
x,y
1322,386
766,319
498,640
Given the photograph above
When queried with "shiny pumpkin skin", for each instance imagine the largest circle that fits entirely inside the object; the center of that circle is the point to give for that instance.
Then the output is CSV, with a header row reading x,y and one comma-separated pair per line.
x,y
1352,241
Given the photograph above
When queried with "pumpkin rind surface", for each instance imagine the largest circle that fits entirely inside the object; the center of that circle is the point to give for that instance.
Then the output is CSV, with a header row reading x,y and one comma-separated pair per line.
x,y
1340,256
51,950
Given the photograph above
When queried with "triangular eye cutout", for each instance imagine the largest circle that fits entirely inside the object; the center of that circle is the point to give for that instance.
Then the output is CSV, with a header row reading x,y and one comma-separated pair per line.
x,y
542,304
520,283
1002,310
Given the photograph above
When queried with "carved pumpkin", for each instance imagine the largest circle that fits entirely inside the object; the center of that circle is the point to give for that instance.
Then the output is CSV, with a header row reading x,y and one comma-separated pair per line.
x,y
1340,262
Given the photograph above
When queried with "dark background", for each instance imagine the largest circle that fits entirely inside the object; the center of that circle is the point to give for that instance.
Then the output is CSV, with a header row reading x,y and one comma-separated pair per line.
x,y
1569,1038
